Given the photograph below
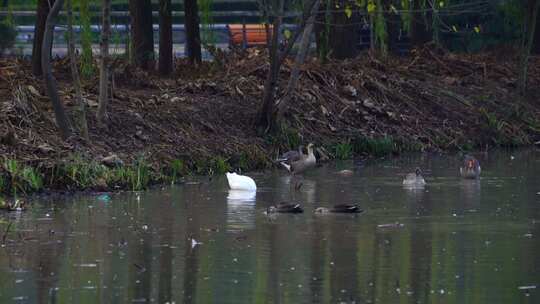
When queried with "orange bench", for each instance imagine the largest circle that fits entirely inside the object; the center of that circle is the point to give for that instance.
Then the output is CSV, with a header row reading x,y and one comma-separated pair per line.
x,y
248,34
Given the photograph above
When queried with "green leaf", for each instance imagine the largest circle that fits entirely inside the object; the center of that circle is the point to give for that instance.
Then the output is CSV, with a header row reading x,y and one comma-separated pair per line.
x,y
371,8
348,11
287,34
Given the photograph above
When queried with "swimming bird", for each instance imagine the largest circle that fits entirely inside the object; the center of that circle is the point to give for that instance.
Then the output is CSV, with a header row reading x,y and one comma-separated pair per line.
x,y
414,179
301,162
285,208
240,182
471,167
340,208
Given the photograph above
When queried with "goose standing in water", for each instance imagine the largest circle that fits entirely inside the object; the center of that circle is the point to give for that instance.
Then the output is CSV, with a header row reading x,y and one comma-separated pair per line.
x,y
471,167
291,155
340,208
414,179
299,162
240,182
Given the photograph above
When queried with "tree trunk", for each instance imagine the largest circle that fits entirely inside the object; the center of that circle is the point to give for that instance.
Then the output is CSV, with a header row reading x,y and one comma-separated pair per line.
x,y
39,29
193,36
165,38
343,37
283,104
50,81
80,107
142,33
264,120
266,116
530,14
104,63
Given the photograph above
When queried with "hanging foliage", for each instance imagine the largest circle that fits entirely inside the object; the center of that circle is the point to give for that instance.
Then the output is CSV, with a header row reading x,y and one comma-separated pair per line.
x,y
207,22
376,11
406,15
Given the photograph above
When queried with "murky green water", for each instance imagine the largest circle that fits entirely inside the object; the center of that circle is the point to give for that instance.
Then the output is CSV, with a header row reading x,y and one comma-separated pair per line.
x,y
461,241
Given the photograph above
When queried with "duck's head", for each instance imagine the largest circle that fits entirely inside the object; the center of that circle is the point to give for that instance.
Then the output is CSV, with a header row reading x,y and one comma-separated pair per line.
x,y
418,172
271,209
310,147
322,210
470,162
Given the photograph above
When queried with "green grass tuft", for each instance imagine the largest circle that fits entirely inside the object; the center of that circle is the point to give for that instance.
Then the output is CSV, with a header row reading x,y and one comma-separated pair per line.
x,y
344,151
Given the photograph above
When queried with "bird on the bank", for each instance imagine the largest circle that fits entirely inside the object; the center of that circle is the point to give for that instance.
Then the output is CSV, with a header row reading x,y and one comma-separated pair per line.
x,y
471,167
299,162
340,208
240,182
285,208
414,179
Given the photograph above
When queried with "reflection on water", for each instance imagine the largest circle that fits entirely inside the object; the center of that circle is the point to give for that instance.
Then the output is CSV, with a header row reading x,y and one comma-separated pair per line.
x,y
455,241
240,210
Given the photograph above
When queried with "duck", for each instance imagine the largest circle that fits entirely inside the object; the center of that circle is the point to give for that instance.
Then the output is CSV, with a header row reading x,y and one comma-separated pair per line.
x,y
300,162
414,179
340,208
16,205
471,168
285,208
240,182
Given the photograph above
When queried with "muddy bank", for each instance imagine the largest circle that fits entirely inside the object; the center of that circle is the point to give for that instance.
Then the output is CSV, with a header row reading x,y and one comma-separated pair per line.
x,y
201,121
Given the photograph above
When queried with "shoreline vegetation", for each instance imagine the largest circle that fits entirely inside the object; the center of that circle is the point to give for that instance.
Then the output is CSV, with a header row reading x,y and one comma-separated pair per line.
x,y
201,120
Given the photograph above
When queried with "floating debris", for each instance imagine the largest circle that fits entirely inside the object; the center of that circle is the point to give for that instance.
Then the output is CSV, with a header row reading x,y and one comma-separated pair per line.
x,y
391,225
86,265
104,198
194,243
346,173
527,287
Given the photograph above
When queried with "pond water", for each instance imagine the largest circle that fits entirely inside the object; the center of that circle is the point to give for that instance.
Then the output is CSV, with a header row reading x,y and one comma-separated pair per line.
x,y
457,241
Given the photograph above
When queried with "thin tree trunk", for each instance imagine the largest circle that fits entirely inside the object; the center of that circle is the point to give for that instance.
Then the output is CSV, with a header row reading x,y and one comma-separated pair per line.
x,y
165,38
531,13
39,30
104,63
265,117
50,81
283,104
264,121
193,36
80,112
142,33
